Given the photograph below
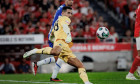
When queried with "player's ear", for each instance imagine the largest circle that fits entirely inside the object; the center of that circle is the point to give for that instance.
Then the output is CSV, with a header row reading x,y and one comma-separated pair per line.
x,y
62,13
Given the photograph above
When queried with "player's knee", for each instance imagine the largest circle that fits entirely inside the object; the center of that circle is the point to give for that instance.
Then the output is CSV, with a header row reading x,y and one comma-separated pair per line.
x,y
56,58
80,66
75,62
56,51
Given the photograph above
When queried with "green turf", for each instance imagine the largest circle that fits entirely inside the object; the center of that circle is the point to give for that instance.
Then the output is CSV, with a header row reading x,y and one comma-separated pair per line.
x,y
95,77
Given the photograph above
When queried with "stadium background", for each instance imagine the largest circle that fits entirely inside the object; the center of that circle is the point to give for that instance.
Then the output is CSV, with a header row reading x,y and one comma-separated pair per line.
x,y
21,18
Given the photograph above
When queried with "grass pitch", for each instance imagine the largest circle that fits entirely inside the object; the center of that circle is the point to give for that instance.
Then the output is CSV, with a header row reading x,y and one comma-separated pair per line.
x,y
68,78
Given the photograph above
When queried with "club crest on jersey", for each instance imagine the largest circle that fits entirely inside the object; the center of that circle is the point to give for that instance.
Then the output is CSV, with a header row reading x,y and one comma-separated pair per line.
x,y
67,21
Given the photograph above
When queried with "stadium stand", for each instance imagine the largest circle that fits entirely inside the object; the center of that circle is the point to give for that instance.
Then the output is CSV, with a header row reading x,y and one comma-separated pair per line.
x,y
124,11
27,17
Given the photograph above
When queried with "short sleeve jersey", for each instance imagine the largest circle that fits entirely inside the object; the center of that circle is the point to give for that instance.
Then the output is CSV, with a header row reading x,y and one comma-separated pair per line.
x,y
58,28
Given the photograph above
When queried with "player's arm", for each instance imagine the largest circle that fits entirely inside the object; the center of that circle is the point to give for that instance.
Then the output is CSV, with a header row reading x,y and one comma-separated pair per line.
x,y
67,31
65,24
57,14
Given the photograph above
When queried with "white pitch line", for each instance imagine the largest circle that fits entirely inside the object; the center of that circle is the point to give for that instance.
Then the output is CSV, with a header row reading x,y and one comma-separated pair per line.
x,y
34,82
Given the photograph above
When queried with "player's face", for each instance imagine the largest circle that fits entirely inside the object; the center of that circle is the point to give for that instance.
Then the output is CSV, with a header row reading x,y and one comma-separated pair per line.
x,y
67,13
69,2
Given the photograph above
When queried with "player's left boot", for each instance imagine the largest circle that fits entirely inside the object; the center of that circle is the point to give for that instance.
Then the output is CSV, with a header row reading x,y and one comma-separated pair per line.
x,y
29,53
131,77
34,67
55,80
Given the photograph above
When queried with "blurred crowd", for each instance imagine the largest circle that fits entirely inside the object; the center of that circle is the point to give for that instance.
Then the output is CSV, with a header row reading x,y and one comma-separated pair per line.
x,y
124,10
11,59
36,16
8,67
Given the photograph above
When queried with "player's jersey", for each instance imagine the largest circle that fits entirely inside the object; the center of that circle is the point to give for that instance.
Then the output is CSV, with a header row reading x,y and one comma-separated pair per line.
x,y
137,22
58,13
58,31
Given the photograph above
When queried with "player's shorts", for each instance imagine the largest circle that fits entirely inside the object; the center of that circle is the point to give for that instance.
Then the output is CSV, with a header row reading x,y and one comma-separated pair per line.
x,y
138,43
50,44
66,52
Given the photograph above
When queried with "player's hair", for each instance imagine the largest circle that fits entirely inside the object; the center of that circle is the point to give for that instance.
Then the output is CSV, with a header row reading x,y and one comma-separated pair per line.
x,y
65,8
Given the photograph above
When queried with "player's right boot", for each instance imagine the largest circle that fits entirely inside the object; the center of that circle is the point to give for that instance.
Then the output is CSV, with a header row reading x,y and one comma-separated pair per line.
x,y
55,79
29,53
131,77
34,67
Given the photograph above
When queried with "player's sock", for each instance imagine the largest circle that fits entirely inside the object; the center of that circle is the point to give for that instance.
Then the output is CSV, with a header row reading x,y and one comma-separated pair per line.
x,y
83,74
45,50
135,65
46,61
57,67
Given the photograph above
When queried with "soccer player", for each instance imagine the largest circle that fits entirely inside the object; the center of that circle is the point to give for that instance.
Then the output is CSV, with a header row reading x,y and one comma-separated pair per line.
x,y
55,58
136,61
61,32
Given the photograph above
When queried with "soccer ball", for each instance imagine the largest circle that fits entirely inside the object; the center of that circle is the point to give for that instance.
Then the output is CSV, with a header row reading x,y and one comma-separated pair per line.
x,y
102,32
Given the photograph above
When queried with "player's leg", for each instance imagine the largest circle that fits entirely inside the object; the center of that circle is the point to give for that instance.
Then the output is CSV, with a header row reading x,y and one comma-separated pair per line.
x,y
82,72
49,60
136,62
56,69
35,65
46,61
47,50
134,67
137,73
67,56
54,51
